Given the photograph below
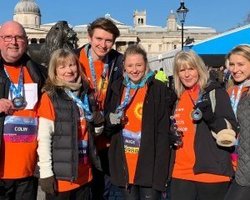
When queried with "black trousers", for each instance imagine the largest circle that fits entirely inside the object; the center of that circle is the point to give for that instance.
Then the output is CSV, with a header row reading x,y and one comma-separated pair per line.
x,y
81,193
135,192
101,184
191,190
18,189
238,192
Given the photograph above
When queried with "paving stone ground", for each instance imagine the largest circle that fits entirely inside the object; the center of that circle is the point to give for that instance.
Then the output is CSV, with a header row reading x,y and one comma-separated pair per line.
x,y
40,194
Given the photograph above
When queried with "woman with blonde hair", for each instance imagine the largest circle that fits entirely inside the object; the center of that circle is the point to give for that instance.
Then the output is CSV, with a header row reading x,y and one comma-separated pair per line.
x,y
138,124
239,66
202,167
67,125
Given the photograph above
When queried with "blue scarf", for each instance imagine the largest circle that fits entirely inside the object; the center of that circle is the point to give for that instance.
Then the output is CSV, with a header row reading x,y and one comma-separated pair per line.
x,y
141,84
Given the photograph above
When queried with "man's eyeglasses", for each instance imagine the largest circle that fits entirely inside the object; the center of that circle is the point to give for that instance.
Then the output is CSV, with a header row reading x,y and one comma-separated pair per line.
x,y
9,38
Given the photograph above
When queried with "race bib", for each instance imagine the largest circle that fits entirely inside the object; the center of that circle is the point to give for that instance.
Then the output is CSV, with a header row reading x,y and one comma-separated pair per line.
x,y
131,141
20,129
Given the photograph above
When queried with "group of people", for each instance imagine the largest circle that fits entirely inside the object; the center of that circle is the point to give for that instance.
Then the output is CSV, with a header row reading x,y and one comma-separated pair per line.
x,y
96,120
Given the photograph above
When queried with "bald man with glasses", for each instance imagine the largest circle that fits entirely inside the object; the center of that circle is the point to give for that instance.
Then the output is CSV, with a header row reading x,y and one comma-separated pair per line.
x,y
21,81
9,38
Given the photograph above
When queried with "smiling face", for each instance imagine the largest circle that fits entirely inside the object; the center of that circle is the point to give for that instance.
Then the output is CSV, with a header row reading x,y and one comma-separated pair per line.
x,y
13,41
67,71
135,67
239,67
101,43
188,75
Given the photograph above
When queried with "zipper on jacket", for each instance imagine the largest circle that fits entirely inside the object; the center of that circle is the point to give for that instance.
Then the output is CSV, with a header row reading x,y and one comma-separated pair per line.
x,y
124,163
125,172
126,177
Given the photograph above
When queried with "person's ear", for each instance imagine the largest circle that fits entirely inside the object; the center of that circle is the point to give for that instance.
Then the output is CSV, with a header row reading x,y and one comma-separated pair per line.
x,y
89,38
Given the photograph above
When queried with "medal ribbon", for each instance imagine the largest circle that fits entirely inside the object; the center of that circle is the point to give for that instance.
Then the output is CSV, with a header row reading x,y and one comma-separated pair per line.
x,y
16,91
235,99
196,111
127,99
128,85
93,73
198,100
84,105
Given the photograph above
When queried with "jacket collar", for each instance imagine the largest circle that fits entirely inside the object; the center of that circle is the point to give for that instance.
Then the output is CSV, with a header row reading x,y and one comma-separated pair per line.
x,y
211,85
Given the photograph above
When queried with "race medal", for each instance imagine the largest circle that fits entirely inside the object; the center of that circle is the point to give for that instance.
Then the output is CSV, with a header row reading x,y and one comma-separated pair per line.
x,y
19,102
104,84
17,91
196,114
124,120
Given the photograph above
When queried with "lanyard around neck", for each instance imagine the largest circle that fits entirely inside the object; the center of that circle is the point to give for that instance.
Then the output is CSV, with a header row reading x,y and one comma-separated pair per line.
x,y
128,86
82,104
127,99
16,91
196,113
198,100
235,99
93,72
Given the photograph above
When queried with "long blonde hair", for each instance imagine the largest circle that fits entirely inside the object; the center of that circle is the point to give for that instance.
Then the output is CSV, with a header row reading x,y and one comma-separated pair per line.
x,y
192,59
242,50
60,57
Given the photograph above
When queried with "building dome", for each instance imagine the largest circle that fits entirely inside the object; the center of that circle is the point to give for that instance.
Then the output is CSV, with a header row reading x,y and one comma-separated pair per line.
x,y
27,13
27,6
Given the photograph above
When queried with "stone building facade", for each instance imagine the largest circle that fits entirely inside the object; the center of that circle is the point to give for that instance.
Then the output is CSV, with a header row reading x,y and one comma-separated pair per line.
x,y
155,39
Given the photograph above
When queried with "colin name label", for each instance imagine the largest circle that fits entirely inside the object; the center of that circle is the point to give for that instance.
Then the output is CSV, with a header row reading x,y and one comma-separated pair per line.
x,y
20,129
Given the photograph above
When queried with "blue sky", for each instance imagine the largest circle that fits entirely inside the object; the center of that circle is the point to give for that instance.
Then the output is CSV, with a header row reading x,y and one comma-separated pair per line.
x,y
219,14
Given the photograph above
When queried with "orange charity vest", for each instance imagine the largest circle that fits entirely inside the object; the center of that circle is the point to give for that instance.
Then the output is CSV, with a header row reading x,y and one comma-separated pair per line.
x,y
18,150
132,130
101,82
185,156
100,92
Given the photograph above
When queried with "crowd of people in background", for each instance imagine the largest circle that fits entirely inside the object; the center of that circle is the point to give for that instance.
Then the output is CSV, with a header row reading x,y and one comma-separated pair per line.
x,y
100,125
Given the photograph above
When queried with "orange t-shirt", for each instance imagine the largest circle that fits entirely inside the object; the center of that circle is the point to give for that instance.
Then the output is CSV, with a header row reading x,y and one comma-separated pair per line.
x,y
100,82
18,150
100,94
132,130
46,110
185,156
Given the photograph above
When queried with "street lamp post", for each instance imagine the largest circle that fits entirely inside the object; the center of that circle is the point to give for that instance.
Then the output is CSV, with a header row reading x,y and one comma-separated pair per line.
x,y
182,12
